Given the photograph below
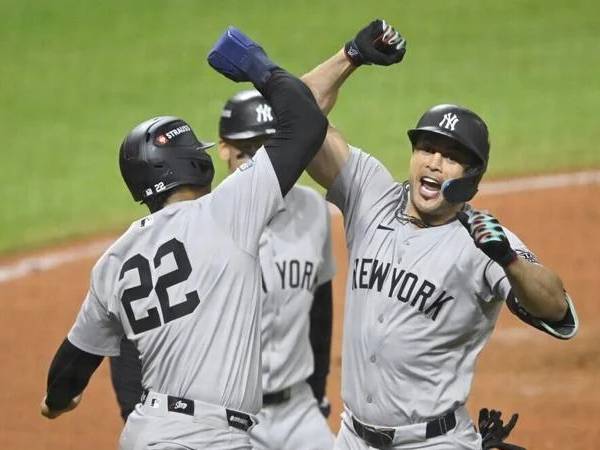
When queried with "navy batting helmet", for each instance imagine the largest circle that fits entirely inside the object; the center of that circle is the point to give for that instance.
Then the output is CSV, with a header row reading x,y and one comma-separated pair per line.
x,y
160,154
471,133
246,115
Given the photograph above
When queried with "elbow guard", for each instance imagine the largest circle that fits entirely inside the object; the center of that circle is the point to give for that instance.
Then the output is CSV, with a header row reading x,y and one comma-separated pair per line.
x,y
564,329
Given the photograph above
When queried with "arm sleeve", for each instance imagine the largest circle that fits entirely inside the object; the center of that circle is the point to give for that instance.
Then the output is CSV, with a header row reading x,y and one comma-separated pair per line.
x,y
321,318
358,189
301,127
69,374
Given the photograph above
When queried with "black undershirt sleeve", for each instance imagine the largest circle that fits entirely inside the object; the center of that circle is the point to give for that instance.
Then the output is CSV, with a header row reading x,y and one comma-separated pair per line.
x,y
301,127
321,318
69,374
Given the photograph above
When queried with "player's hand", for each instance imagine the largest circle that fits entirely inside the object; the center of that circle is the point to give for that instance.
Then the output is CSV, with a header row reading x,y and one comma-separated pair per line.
x,y
488,236
53,414
325,407
493,431
239,58
378,43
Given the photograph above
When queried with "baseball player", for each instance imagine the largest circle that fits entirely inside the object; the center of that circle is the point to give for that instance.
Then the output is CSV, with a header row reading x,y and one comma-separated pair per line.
x,y
428,274
296,266
183,283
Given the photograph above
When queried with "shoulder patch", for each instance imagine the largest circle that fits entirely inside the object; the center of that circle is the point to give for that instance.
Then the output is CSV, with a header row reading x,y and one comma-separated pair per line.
x,y
146,221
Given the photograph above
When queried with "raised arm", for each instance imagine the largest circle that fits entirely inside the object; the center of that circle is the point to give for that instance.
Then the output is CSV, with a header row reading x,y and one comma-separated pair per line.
x,y
327,78
378,43
325,81
301,126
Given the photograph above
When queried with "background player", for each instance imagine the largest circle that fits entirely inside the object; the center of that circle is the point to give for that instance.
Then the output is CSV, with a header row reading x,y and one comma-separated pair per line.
x,y
183,283
296,265
423,294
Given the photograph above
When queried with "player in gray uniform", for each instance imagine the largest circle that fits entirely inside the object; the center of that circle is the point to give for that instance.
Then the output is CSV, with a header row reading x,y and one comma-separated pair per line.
x,y
427,274
297,267
184,282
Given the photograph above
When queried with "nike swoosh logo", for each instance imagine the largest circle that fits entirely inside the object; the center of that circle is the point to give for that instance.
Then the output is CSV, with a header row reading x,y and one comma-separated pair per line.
x,y
383,227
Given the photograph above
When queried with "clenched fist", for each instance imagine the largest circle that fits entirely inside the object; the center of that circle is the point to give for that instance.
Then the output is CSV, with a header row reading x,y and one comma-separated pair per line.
x,y
378,43
488,235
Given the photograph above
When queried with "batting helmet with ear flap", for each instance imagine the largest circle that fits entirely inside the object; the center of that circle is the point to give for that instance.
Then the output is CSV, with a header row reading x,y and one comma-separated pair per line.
x,y
470,132
246,115
160,154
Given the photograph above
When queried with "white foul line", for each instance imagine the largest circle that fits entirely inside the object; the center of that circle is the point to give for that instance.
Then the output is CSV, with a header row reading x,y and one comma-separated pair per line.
x,y
540,182
48,261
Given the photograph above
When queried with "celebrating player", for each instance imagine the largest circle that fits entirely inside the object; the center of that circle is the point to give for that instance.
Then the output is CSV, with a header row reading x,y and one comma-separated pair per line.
x,y
184,282
427,274
296,265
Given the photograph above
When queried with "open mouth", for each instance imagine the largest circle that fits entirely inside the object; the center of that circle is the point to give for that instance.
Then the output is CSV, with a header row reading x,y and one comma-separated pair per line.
x,y
429,187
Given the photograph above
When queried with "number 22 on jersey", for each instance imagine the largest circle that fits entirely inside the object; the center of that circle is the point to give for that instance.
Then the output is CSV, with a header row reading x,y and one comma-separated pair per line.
x,y
144,289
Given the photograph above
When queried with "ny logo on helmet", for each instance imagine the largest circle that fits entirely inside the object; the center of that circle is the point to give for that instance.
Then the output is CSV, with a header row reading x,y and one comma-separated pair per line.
x,y
449,121
263,113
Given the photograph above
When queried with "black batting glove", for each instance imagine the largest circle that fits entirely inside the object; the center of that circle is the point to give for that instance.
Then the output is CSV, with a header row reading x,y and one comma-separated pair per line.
x,y
488,235
378,43
494,432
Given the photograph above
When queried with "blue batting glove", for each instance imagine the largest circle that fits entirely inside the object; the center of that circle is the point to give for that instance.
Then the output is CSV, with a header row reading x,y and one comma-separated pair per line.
x,y
239,58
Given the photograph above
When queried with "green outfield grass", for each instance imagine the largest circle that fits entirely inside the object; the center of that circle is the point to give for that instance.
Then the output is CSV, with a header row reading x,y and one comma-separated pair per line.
x,y
76,76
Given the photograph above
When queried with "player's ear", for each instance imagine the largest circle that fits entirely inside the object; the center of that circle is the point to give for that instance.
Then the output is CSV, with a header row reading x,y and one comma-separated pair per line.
x,y
224,150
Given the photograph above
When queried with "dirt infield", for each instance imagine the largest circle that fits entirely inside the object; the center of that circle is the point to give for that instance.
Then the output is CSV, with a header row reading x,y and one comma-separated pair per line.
x,y
552,384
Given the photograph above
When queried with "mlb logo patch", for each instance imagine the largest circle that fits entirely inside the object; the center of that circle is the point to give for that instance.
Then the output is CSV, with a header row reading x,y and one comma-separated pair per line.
x,y
246,165
146,221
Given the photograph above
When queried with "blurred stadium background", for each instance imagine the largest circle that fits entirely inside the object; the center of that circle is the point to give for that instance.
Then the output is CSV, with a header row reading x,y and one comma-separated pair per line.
x,y
77,76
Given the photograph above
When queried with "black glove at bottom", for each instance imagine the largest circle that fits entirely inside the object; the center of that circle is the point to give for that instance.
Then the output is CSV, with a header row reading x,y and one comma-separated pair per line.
x,y
493,431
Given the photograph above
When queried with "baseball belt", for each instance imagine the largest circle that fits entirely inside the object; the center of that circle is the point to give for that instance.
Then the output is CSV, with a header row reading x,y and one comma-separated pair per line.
x,y
381,437
275,398
236,419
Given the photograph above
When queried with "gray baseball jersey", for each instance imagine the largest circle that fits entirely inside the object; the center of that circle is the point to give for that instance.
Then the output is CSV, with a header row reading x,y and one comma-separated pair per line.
x,y
184,285
295,257
420,302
